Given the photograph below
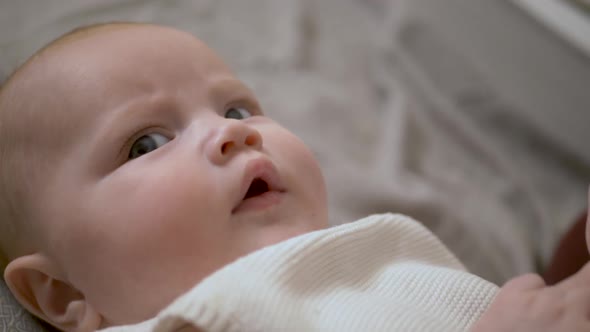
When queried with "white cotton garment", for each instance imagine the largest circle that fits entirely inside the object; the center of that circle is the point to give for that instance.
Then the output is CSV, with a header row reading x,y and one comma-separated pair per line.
x,y
382,273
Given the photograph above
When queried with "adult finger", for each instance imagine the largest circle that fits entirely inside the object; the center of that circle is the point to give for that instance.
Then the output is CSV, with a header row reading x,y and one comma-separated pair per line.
x,y
578,301
529,281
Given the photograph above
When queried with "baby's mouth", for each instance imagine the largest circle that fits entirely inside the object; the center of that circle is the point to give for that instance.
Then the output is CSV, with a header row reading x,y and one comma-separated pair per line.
x,y
257,188
261,187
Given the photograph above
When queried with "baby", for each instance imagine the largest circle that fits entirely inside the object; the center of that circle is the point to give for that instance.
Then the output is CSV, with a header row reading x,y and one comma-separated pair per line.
x,y
137,172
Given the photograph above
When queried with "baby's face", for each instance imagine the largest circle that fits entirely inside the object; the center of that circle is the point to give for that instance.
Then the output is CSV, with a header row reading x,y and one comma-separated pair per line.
x,y
173,172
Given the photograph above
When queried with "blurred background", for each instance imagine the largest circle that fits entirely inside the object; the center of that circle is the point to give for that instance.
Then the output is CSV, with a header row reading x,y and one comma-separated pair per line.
x,y
472,116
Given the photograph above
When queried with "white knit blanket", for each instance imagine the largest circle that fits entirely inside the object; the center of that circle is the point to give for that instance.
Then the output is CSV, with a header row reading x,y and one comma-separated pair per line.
x,y
382,273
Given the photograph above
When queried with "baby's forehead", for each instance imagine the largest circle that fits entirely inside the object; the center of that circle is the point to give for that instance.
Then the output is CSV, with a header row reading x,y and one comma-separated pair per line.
x,y
137,54
123,44
60,48
102,67
107,59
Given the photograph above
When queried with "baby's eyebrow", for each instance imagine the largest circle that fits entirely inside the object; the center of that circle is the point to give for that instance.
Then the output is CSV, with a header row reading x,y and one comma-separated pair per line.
x,y
141,106
120,121
220,89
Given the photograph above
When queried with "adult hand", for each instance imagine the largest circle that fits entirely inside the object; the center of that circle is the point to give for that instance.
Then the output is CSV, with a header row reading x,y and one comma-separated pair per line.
x,y
526,303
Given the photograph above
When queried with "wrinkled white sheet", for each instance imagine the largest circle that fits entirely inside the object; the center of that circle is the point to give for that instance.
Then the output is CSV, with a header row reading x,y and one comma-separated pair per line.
x,y
350,77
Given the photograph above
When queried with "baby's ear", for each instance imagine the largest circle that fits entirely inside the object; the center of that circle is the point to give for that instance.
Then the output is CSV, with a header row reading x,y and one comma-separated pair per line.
x,y
36,285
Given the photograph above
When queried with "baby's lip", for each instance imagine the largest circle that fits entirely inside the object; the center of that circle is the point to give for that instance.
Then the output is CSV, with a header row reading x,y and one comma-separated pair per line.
x,y
259,169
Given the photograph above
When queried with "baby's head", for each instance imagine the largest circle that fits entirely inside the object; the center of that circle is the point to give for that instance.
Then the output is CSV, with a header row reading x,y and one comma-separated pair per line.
x,y
132,165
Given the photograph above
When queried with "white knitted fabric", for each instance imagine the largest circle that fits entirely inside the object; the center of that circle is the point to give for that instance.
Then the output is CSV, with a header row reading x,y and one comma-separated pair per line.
x,y
381,273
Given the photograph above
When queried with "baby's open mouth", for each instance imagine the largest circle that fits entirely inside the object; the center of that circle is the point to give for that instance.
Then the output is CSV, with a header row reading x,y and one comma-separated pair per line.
x,y
257,187
261,187
260,196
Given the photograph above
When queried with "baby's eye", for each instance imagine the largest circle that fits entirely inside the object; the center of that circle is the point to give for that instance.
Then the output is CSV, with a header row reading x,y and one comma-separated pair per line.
x,y
238,113
146,144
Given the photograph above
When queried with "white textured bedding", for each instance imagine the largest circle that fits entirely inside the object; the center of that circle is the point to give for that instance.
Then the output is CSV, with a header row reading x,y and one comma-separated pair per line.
x,y
354,79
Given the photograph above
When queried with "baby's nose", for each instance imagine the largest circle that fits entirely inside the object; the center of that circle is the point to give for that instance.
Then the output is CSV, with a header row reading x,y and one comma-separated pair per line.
x,y
233,136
